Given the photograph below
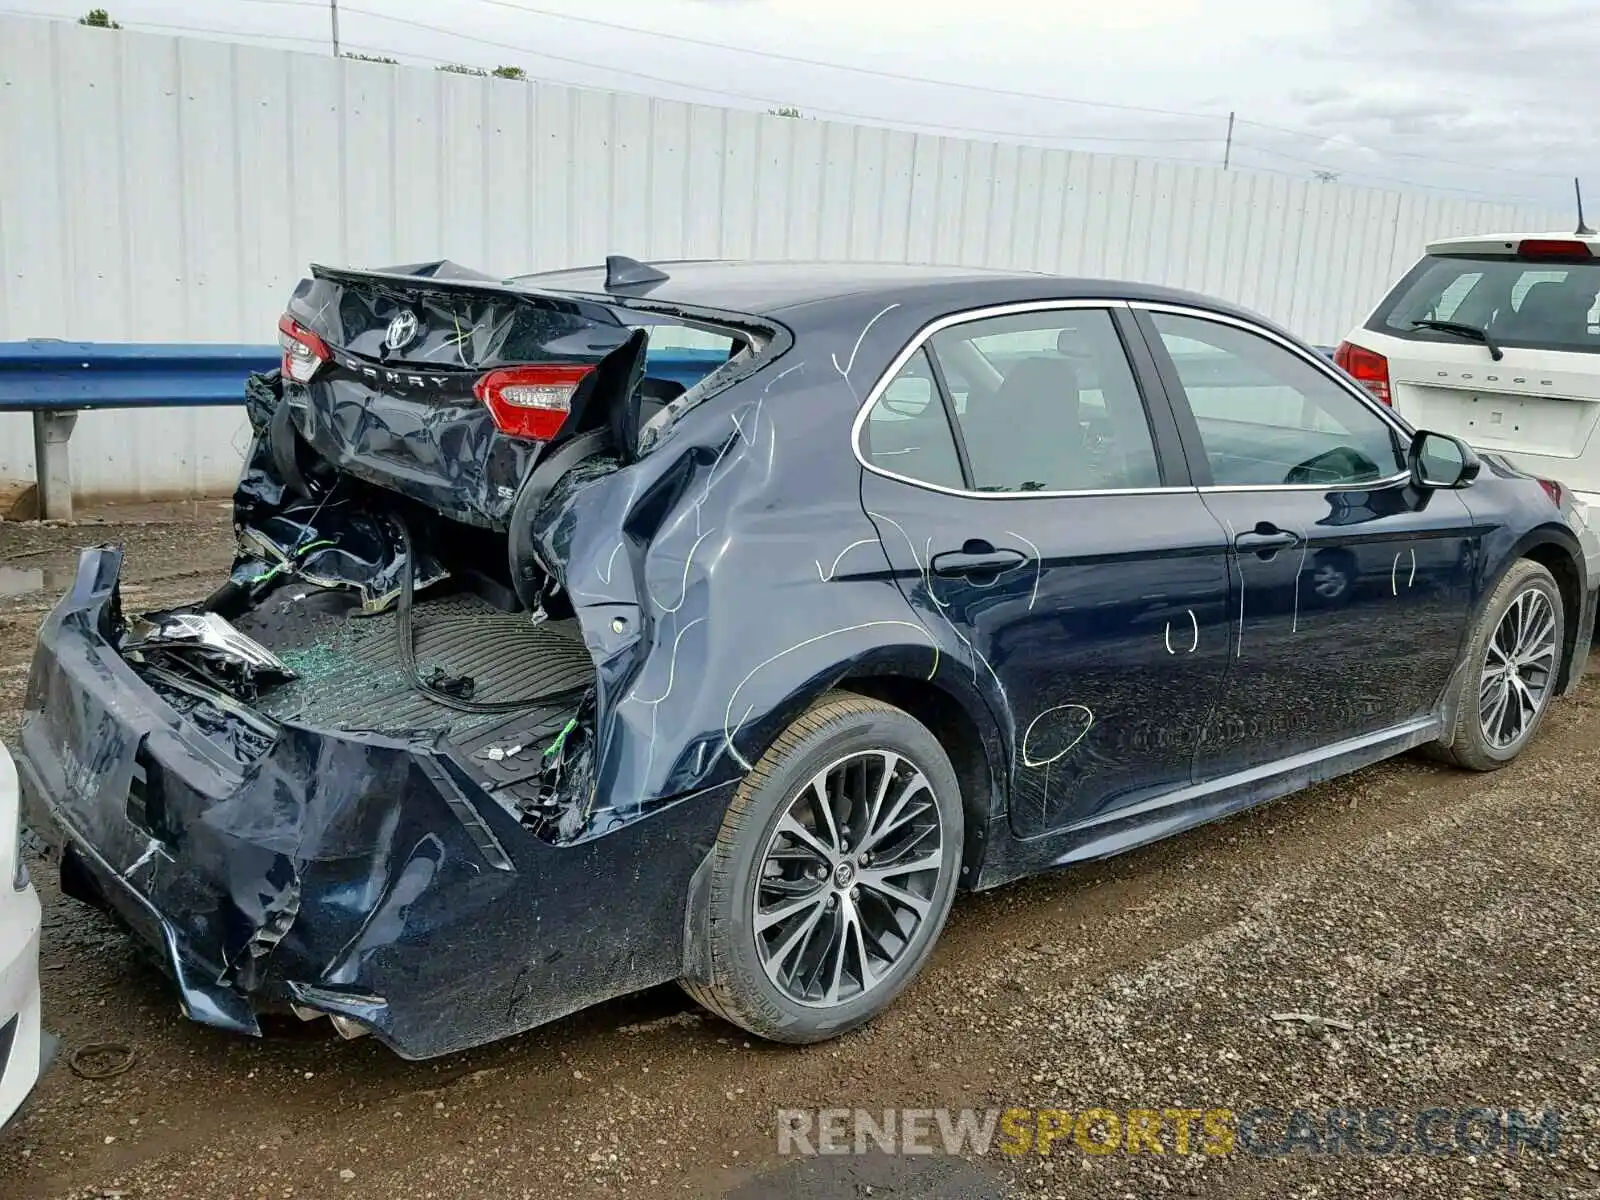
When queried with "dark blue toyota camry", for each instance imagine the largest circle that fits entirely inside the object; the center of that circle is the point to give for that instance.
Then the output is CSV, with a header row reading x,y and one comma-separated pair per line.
x,y
718,622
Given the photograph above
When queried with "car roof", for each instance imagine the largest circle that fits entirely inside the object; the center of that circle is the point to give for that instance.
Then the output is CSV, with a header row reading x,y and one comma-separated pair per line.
x,y
1504,245
773,288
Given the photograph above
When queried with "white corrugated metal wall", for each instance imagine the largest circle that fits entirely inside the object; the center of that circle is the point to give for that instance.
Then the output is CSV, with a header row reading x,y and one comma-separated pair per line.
x,y
163,189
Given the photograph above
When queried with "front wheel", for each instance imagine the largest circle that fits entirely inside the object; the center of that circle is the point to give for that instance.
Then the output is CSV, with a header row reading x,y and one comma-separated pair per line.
x,y
1508,677
833,872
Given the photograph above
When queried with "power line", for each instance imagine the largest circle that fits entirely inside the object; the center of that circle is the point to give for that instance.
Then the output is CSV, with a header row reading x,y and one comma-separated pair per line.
x,y
764,101
1454,162
971,87
627,72
1451,193
228,33
769,101
876,120
1365,174
854,116
875,72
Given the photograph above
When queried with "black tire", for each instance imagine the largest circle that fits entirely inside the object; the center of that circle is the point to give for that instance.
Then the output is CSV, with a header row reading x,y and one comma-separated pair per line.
x,y
838,726
1469,745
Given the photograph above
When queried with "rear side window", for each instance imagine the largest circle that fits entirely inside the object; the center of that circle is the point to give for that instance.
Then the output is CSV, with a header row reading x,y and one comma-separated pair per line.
x,y
1047,402
907,434
1541,306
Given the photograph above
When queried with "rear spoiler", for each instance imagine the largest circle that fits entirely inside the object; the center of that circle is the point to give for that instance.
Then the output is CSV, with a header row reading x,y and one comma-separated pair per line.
x,y
407,283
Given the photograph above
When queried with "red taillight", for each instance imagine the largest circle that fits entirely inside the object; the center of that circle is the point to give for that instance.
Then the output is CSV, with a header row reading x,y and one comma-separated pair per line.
x,y
1555,248
1369,368
1555,490
304,353
530,402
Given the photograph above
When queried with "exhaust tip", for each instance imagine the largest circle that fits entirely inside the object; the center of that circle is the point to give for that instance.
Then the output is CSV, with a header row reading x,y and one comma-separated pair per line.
x,y
348,1029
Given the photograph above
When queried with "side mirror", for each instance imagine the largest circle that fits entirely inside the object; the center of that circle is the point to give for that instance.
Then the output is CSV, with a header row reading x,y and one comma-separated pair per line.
x,y
1440,461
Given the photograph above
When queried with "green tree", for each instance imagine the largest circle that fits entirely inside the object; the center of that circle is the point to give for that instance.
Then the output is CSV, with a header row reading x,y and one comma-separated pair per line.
x,y
378,58
461,69
509,73
99,18
786,110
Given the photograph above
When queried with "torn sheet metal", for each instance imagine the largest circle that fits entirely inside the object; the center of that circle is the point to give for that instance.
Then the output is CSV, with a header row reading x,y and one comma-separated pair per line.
x,y
205,643
364,875
322,529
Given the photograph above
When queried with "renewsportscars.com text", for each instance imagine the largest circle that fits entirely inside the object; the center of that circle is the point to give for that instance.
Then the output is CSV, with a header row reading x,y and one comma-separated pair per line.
x,y
1263,1131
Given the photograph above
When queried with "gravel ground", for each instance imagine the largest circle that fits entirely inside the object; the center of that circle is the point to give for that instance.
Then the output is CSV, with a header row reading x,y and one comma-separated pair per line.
x,y
1447,919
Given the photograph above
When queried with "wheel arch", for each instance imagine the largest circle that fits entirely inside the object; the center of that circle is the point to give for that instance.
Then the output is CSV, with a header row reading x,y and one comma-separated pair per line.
x,y
971,740
1555,549
959,718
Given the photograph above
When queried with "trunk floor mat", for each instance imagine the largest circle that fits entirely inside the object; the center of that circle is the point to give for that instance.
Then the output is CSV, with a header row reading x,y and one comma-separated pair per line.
x,y
349,666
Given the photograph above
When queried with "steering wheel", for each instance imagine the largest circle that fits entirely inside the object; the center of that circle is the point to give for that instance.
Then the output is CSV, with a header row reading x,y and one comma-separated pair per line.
x,y
1342,464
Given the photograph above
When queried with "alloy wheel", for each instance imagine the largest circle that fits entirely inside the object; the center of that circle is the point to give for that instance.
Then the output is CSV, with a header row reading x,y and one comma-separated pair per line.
x,y
1519,666
848,878
1329,582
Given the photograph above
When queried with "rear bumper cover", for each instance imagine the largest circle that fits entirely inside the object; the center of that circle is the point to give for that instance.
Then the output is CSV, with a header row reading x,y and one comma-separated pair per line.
x,y
353,874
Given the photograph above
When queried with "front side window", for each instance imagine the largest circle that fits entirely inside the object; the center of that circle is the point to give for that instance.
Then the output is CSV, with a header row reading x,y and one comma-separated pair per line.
x,y
1046,401
1548,306
1267,416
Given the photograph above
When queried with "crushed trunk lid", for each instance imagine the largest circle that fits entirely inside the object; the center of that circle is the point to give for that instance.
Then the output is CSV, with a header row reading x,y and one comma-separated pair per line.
x,y
394,376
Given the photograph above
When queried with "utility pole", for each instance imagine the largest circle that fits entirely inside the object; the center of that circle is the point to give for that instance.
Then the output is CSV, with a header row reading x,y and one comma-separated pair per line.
x,y
1227,149
333,11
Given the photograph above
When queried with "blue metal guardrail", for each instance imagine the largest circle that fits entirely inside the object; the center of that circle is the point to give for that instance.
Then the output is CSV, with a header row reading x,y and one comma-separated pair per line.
x,y
42,375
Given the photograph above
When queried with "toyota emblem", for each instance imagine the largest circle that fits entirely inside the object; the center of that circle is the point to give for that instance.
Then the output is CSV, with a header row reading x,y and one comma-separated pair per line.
x,y
401,331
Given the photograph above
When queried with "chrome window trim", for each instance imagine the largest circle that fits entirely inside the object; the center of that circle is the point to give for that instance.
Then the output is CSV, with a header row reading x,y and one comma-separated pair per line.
x,y
1370,485
1015,308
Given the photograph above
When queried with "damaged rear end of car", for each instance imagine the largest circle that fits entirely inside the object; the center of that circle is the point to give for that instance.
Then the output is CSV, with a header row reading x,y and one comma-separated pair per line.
x,y
380,774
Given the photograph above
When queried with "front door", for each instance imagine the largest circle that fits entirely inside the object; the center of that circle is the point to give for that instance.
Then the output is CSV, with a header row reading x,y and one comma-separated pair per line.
x,y
1043,528
1351,588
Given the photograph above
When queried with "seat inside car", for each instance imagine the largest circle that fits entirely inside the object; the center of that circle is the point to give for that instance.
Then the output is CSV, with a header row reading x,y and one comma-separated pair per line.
x,y
1027,436
1550,311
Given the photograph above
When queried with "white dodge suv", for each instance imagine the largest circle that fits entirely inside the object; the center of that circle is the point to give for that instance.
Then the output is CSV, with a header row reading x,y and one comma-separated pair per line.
x,y
24,1049
1496,339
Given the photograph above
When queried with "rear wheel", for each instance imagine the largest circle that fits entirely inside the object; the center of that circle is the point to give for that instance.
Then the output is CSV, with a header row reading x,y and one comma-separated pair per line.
x,y
1509,674
833,872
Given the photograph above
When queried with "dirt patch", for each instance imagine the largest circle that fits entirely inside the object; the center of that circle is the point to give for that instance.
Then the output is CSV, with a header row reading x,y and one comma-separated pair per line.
x,y
1448,919
175,552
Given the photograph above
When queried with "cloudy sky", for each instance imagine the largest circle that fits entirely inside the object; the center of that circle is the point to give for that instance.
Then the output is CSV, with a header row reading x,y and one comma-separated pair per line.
x,y
1490,99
